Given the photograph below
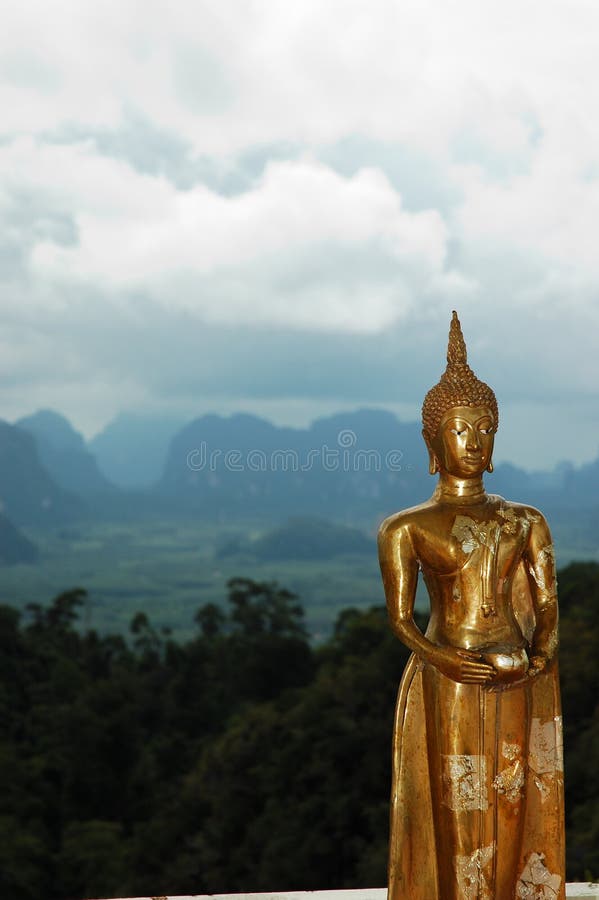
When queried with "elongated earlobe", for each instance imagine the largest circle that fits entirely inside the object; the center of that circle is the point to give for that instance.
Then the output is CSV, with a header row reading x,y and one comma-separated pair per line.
x,y
433,462
490,466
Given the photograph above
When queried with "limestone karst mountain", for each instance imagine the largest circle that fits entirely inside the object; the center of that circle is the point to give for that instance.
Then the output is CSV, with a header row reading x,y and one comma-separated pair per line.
x,y
64,454
15,547
28,493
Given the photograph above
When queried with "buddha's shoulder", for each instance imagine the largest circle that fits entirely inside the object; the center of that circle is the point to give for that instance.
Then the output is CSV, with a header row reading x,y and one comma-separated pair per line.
x,y
425,517
408,520
518,511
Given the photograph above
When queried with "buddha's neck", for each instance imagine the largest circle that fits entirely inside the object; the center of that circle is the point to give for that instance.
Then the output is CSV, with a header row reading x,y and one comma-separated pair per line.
x,y
460,490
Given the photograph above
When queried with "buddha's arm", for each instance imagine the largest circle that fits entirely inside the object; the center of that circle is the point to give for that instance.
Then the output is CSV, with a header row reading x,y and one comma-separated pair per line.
x,y
399,568
541,576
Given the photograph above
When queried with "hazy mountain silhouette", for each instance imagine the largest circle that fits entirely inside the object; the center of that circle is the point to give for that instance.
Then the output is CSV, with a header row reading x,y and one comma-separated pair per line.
x,y
362,462
63,452
131,449
28,494
14,546
340,465
354,466
54,428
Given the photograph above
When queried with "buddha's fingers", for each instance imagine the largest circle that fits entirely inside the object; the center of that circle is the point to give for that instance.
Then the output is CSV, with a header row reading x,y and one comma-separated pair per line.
x,y
477,672
470,655
478,667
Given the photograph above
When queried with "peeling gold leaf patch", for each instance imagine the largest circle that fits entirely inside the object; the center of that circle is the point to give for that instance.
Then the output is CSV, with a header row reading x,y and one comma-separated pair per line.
x,y
510,781
536,881
472,880
464,782
545,756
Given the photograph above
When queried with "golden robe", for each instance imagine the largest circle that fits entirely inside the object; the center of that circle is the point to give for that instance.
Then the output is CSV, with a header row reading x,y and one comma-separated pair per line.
x,y
500,775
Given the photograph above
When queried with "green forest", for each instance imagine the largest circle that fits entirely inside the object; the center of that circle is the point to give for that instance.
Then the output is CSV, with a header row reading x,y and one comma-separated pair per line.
x,y
241,759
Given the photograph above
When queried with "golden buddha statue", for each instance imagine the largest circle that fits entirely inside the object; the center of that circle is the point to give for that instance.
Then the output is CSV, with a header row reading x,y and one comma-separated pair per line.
x,y
477,796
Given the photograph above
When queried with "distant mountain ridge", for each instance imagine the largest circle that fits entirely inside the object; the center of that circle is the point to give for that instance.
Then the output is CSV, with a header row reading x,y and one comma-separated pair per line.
x,y
347,464
14,546
64,454
365,461
344,466
28,493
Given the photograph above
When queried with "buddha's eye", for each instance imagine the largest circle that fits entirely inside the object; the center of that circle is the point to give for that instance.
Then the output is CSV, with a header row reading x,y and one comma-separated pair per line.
x,y
457,431
488,430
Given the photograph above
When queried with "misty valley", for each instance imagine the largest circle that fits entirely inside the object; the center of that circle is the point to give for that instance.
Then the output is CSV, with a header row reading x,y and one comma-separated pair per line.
x,y
154,515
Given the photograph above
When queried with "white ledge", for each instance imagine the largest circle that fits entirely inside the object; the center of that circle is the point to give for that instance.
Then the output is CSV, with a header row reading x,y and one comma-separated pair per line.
x,y
580,891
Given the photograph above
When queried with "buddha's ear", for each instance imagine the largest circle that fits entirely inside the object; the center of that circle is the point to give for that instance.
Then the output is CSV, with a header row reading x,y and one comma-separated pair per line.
x,y
490,463
433,462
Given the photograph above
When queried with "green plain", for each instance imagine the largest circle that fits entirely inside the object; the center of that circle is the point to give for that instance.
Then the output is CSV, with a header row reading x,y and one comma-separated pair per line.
x,y
168,569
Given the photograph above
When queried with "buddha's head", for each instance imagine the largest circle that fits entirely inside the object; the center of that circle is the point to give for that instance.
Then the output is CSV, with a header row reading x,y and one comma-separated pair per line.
x,y
459,415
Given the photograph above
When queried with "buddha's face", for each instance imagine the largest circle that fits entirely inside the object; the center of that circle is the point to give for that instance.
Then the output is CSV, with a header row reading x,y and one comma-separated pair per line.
x,y
463,445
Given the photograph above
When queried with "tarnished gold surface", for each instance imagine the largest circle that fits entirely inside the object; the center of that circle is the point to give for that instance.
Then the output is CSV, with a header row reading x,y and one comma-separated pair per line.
x,y
477,795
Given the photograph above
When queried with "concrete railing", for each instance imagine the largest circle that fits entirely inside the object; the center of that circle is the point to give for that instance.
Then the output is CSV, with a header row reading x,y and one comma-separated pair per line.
x,y
578,891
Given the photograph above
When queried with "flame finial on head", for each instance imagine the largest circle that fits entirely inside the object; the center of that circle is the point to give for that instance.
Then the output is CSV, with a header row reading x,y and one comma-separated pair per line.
x,y
458,385
456,346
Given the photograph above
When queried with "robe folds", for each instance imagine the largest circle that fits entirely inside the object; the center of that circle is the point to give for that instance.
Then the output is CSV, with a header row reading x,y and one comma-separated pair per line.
x,y
477,789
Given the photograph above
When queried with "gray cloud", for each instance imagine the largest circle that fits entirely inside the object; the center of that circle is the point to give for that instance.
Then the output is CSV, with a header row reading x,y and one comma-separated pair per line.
x,y
27,217
421,181
248,208
99,356
200,79
146,147
152,150
29,70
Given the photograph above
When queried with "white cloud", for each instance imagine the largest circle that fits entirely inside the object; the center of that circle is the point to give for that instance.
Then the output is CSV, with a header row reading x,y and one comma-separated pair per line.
x,y
238,73
230,75
550,212
185,249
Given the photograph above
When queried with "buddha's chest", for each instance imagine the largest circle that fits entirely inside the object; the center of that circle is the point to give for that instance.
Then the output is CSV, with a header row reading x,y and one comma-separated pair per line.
x,y
475,542
474,560
472,543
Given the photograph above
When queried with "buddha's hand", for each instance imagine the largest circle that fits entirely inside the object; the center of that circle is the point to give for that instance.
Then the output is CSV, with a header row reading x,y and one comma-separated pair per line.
x,y
537,665
466,666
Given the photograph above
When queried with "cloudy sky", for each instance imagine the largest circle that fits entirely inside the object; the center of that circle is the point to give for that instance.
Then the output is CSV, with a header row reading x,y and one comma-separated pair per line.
x,y
273,206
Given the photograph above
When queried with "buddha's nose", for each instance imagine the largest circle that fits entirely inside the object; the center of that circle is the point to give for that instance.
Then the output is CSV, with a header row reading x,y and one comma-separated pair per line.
x,y
472,441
